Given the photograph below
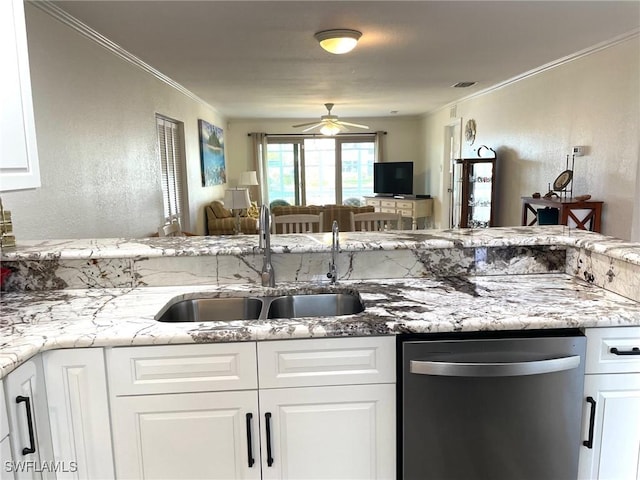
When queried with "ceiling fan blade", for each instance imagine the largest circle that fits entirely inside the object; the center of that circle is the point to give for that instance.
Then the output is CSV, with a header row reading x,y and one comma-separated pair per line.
x,y
315,125
357,125
306,124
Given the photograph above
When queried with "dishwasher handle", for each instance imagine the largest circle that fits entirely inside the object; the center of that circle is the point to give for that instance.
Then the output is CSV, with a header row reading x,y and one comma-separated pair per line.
x,y
497,369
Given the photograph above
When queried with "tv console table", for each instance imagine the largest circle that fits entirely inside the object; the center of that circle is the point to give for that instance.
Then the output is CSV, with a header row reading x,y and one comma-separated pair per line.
x,y
413,208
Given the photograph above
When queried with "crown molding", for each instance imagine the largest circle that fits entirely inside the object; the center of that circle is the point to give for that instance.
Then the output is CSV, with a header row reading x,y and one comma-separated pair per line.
x,y
548,66
91,34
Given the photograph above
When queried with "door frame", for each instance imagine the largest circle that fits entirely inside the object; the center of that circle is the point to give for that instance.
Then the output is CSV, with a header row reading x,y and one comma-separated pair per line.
x,y
452,150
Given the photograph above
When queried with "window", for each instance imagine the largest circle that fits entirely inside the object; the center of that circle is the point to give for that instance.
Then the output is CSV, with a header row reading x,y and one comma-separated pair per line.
x,y
171,153
319,171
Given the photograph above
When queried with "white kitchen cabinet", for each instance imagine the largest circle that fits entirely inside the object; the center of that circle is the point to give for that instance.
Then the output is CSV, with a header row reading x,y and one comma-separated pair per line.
x,y
208,430
194,435
344,432
79,413
195,411
19,168
182,368
616,428
7,465
6,458
4,420
30,435
335,416
611,432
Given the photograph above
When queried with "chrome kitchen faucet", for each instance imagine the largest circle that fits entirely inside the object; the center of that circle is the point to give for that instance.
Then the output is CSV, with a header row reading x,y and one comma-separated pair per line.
x,y
335,246
267,275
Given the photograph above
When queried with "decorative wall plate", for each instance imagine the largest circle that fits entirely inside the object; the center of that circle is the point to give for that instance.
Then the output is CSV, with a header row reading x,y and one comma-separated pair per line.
x,y
470,131
563,180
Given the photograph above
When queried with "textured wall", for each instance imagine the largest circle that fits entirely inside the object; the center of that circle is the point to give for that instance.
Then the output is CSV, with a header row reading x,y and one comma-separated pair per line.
x,y
533,123
95,121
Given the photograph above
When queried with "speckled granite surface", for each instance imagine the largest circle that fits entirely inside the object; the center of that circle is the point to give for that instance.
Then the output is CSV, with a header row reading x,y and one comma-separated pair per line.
x,y
95,292
114,248
37,321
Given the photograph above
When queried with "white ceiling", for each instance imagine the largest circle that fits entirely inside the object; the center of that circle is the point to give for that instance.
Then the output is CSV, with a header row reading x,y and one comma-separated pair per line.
x,y
253,59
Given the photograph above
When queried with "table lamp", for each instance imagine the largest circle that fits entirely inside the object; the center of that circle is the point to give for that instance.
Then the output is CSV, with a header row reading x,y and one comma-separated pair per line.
x,y
237,199
248,179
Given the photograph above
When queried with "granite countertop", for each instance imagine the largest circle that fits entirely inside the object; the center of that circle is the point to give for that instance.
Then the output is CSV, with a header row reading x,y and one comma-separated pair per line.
x,y
84,249
31,322
83,293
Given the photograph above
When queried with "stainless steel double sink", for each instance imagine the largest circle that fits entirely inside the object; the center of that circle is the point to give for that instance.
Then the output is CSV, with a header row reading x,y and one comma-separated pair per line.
x,y
261,308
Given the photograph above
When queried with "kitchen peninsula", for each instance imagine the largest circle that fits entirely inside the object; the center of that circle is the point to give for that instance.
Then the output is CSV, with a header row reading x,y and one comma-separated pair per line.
x,y
74,293
108,293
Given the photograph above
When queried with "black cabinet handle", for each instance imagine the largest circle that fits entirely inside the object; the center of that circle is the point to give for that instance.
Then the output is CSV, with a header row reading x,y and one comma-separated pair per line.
x,y
633,351
267,419
592,418
32,446
250,458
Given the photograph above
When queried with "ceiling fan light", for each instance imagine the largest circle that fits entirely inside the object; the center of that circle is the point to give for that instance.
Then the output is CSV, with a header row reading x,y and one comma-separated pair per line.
x,y
330,130
338,41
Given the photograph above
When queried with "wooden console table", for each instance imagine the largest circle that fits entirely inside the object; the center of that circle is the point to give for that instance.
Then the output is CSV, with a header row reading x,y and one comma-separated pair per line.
x,y
586,215
413,208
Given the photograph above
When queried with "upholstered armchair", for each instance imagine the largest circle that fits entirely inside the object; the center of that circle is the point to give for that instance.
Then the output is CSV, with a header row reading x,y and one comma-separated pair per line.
x,y
220,220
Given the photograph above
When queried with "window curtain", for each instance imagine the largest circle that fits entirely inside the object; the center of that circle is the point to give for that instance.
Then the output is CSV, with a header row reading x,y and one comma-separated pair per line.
x,y
259,149
379,146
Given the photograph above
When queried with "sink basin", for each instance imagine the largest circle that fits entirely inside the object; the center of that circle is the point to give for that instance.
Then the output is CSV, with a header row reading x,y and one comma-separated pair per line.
x,y
254,308
213,309
314,305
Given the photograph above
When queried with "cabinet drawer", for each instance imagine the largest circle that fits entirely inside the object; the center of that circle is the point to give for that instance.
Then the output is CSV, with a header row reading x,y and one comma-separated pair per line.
x,y
4,417
373,203
328,361
182,368
406,213
388,203
600,342
407,205
388,210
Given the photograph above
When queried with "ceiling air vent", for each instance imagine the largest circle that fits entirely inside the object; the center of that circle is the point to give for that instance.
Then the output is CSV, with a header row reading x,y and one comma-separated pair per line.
x,y
464,84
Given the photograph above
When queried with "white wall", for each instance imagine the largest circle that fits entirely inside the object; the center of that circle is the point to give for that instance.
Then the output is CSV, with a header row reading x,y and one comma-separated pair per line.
x,y
403,142
533,123
95,121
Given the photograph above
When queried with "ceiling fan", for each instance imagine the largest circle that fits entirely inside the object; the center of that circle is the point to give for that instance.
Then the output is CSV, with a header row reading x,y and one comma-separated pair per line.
x,y
330,124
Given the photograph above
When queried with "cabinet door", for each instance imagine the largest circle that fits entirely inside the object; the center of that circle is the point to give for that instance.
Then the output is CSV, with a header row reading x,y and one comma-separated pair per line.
x,y
4,420
345,432
187,436
18,152
26,400
6,467
616,428
79,413
6,460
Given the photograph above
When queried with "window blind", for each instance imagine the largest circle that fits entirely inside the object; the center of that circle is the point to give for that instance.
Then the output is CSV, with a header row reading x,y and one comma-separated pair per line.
x,y
171,152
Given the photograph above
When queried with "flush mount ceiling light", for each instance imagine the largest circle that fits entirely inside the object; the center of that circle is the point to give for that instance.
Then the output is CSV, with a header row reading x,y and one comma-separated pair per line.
x,y
339,40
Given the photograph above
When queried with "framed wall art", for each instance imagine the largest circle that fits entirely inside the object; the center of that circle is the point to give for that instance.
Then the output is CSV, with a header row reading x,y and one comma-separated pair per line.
x,y
212,164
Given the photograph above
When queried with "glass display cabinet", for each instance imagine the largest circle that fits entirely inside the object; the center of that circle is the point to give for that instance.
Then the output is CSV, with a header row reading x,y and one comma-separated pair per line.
x,y
474,190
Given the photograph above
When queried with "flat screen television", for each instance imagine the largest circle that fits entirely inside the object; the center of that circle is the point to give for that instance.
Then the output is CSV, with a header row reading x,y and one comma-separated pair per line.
x,y
393,178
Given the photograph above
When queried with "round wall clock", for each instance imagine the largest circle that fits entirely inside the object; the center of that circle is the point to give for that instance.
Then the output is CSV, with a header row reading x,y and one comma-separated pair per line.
x,y
470,131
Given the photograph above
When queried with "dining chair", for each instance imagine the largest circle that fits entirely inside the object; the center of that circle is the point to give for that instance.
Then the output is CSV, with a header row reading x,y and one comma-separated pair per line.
x,y
375,221
170,230
297,223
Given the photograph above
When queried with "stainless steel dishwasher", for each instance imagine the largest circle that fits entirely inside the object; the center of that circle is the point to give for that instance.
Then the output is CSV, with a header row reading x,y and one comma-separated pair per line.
x,y
505,406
